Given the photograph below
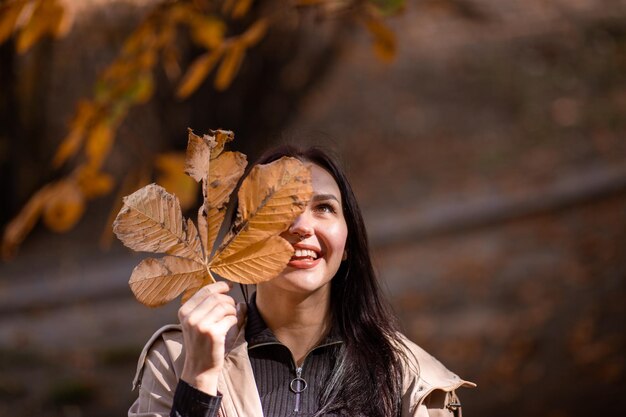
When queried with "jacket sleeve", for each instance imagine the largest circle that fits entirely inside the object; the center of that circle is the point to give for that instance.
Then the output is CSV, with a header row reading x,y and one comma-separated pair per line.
x,y
156,385
190,402
160,391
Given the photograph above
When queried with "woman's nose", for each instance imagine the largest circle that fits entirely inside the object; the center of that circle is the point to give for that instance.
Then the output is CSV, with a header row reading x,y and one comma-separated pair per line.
x,y
302,227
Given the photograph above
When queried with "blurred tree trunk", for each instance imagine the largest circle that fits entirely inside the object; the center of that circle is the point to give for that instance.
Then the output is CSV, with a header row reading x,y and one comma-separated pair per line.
x,y
24,155
8,129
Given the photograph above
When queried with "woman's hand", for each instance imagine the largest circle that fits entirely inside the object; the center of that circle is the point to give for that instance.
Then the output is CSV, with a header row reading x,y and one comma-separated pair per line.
x,y
206,318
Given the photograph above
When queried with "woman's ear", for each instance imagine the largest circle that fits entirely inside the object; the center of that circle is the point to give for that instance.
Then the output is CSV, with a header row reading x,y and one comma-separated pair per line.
x,y
345,255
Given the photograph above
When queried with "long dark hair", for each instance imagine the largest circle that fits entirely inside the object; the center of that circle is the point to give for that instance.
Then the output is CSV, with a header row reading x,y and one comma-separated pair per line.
x,y
367,376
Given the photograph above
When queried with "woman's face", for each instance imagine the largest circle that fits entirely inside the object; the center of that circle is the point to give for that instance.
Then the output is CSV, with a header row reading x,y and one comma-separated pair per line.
x,y
318,236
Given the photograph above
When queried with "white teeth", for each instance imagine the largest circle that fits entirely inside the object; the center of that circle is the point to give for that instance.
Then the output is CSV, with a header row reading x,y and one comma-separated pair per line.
x,y
300,253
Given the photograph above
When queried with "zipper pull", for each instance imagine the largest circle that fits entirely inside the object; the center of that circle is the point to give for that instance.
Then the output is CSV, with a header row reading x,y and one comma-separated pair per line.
x,y
297,385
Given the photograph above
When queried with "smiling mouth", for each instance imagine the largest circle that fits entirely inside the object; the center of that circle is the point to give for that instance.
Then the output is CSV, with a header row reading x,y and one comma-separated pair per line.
x,y
304,259
304,255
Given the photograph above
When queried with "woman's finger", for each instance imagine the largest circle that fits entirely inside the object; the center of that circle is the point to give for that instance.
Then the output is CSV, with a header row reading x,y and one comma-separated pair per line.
x,y
204,318
206,305
224,325
220,287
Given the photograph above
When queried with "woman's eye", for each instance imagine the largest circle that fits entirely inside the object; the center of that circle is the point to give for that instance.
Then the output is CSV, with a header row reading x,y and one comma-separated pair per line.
x,y
325,208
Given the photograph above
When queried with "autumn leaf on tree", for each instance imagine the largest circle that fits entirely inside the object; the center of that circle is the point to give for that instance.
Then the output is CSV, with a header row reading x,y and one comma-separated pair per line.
x,y
252,251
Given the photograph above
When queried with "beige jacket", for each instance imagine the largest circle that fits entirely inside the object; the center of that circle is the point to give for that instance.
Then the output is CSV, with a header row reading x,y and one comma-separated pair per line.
x,y
429,394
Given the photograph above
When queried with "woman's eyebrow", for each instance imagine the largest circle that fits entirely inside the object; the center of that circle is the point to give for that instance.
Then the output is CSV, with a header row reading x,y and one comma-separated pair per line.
x,y
322,197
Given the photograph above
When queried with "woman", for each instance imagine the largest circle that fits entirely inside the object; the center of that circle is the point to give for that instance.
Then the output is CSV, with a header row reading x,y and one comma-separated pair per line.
x,y
318,340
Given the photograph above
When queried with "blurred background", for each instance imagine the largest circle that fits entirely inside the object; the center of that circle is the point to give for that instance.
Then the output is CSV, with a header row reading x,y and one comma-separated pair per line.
x,y
485,140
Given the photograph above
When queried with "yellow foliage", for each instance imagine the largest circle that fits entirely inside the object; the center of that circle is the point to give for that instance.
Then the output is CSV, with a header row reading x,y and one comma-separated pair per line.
x,y
61,203
64,206
171,176
241,8
143,88
207,31
229,67
255,33
384,39
22,224
138,40
71,144
9,13
99,143
93,183
197,72
146,59
46,19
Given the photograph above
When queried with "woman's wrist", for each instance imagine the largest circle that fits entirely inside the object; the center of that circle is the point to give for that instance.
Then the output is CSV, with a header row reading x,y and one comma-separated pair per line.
x,y
204,381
